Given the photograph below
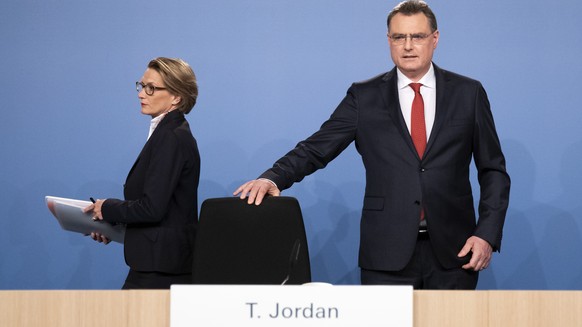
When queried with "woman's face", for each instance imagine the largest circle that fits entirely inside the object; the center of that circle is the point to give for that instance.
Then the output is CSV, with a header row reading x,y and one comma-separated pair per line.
x,y
161,101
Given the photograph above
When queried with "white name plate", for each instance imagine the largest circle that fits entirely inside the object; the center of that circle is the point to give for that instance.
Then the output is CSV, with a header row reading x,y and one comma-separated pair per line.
x,y
273,306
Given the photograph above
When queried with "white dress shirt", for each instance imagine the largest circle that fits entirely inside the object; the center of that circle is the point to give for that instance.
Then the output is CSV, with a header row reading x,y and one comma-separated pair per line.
x,y
154,123
428,92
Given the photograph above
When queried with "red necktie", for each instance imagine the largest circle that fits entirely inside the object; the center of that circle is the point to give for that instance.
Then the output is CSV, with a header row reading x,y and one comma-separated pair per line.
x,y
418,126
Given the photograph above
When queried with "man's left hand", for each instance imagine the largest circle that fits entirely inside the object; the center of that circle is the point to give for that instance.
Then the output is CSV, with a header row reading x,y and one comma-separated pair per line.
x,y
481,253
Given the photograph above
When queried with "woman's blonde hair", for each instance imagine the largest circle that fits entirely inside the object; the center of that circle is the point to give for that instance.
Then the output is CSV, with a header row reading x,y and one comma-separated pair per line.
x,y
179,79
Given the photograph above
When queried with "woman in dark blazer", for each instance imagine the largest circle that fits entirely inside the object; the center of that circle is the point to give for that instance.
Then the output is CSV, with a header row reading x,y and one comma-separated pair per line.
x,y
160,208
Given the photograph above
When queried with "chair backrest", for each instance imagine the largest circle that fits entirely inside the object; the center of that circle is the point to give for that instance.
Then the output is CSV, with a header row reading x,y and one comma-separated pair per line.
x,y
238,243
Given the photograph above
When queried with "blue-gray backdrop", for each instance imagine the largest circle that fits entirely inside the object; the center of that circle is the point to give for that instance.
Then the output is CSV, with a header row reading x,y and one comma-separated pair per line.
x,y
270,72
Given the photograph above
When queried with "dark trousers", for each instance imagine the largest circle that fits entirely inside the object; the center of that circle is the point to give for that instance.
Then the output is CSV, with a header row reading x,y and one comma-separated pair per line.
x,y
424,271
154,280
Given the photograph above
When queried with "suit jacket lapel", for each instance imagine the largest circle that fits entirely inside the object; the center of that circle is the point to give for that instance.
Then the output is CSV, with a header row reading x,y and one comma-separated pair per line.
x,y
441,107
169,117
389,91
137,160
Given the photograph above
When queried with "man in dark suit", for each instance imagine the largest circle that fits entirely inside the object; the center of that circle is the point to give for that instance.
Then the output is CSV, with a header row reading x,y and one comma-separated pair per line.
x,y
417,128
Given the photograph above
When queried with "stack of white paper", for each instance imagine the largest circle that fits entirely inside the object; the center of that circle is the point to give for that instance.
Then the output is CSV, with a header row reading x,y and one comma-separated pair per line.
x,y
70,215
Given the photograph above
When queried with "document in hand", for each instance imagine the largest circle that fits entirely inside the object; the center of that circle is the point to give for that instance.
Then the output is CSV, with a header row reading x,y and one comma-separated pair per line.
x,y
70,215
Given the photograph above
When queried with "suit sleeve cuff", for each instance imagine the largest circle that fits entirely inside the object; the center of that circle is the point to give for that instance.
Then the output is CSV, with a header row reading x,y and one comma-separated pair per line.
x,y
268,180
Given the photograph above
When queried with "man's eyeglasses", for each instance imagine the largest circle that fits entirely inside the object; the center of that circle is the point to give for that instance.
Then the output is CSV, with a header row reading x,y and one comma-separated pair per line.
x,y
419,38
148,88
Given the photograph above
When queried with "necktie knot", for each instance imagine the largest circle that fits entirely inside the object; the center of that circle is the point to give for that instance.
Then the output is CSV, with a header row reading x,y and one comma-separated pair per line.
x,y
415,87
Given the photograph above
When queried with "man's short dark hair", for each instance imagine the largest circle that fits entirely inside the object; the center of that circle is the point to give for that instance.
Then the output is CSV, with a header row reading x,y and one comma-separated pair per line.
x,y
412,7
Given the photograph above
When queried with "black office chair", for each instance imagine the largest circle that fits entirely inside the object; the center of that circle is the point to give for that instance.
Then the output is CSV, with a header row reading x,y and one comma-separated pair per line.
x,y
238,243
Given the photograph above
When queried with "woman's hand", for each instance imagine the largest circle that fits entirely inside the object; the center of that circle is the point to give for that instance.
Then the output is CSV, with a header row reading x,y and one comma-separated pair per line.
x,y
100,238
95,208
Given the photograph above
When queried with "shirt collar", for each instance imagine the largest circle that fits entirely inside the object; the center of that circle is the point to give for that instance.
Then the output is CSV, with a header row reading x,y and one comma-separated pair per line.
x,y
428,80
154,123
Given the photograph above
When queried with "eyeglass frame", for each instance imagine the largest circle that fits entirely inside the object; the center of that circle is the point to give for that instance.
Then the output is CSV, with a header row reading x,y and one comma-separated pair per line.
x,y
415,38
145,87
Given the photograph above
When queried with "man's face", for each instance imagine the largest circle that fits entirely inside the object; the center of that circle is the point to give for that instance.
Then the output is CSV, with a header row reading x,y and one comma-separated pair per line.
x,y
413,56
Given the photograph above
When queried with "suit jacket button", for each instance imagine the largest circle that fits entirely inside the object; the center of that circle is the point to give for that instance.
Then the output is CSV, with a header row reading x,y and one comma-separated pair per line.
x,y
422,170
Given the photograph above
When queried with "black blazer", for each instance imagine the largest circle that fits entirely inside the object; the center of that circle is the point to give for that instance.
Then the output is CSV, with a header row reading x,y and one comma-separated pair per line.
x,y
398,181
160,207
